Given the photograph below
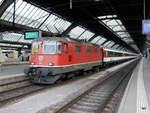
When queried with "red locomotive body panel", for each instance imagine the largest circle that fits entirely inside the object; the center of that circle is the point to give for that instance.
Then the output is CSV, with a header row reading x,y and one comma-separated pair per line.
x,y
73,53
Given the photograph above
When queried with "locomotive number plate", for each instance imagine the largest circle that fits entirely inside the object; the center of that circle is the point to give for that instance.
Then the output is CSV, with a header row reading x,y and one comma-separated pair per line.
x,y
40,58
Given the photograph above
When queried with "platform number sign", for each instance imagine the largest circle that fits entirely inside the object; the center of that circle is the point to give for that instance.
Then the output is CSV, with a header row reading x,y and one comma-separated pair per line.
x,y
32,34
146,27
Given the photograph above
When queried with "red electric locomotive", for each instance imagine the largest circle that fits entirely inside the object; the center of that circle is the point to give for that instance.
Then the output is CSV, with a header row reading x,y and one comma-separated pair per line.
x,y
56,57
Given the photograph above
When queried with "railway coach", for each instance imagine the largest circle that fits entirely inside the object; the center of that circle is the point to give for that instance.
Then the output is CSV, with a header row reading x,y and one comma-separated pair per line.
x,y
115,56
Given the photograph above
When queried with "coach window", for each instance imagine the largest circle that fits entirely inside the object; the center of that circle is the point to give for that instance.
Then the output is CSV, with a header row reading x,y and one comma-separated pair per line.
x,y
65,48
88,49
111,54
77,49
120,54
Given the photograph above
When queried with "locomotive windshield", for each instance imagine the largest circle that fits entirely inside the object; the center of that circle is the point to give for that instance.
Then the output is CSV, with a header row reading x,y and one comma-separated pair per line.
x,y
47,47
52,47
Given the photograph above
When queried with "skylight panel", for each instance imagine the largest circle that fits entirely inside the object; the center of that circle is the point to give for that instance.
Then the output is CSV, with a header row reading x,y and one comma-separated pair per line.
x,y
96,39
116,26
109,45
119,22
32,16
76,32
1,1
105,44
86,35
112,23
55,24
15,37
102,40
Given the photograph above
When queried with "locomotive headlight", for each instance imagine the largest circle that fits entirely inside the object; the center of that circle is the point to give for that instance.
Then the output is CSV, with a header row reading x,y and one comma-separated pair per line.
x,y
32,63
50,64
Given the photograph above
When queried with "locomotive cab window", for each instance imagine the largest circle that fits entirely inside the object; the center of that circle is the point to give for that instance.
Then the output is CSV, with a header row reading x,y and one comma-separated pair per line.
x,y
77,49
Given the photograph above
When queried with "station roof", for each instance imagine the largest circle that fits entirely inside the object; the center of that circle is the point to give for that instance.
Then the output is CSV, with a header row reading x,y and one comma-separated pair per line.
x,y
110,23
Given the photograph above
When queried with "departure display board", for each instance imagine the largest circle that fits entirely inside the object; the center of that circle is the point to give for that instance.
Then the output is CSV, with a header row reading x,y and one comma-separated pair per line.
x,y
146,26
32,34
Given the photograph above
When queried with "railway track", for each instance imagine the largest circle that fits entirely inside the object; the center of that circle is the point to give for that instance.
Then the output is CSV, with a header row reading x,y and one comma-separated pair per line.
x,y
12,95
96,99
17,93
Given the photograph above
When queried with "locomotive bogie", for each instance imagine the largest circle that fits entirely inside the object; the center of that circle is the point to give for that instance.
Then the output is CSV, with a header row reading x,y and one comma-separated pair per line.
x,y
43,72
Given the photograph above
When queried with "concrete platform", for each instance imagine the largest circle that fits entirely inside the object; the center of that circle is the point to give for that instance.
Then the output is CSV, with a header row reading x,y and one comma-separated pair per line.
x,y
12,77
55,97
12,70
137,95
15,63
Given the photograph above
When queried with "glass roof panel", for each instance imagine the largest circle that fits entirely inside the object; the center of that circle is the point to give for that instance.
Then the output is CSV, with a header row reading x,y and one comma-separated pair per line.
x,y
120,47
48,23
76,32
86,35
112,23
120,33
7,14
105,44
119,22
1,1
14,37
115,25
110,44
117,28
116,46
96,39
32,16
55,24
102,40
